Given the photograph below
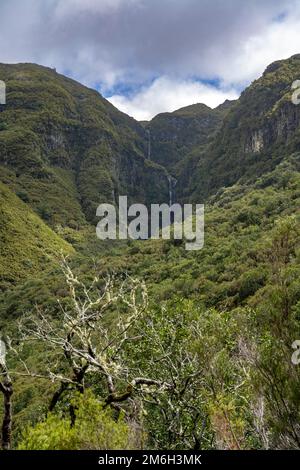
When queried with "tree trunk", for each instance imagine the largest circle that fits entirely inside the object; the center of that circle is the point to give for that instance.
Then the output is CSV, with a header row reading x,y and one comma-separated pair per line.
x,y
7,391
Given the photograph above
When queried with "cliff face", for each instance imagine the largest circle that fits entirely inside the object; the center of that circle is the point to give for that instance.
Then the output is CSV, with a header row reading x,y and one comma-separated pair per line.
x,y
207,149
176,139
64,149
174,134
260,129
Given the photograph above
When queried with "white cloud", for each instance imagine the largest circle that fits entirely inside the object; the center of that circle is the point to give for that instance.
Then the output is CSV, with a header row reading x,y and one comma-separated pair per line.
x,y
279,40
116,43
166,94
113,41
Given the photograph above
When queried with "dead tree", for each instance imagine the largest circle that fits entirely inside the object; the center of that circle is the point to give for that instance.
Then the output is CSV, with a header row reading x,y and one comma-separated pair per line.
x,y
90,337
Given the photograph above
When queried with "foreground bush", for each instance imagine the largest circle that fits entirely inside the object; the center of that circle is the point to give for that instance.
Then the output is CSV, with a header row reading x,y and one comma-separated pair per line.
x,y
94,428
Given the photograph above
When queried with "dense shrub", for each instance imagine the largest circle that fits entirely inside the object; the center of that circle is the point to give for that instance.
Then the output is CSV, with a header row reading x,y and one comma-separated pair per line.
x,y
94,428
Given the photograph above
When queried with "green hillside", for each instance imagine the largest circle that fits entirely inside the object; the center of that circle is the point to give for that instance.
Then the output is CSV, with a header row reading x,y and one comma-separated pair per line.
x,y
203,361
258,132
65,149
177,137
28,245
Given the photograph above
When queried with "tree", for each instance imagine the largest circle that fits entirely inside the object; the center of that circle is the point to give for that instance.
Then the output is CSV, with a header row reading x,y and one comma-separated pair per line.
x,y
87,341
95,428
175,417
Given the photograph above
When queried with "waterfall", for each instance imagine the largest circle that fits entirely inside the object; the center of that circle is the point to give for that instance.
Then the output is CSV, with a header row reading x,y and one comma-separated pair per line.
x,y
172,183
171,180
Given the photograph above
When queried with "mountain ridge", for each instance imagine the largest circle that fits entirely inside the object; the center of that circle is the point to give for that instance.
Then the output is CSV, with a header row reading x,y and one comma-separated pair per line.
x,y
64,148
72,128
233,306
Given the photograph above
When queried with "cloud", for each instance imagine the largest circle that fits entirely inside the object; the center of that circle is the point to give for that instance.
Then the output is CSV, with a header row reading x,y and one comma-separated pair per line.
x,y
119,44
280,40
165,94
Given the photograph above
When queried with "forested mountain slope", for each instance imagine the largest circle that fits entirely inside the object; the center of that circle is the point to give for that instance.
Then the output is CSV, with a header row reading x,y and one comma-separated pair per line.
x,y
258,132
219,323
65,149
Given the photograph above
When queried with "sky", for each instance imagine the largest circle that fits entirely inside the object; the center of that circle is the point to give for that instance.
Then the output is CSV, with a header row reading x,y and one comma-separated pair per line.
x,y
152,56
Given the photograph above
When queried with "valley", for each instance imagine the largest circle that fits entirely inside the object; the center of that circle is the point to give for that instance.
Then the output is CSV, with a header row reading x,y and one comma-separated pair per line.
x,y
227,314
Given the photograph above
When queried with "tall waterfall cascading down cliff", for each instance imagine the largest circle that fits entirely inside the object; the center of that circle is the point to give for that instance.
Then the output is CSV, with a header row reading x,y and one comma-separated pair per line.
x,y
172,183
171,180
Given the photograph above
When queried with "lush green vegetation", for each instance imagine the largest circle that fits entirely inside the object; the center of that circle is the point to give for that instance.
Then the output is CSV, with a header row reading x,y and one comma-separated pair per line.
x,y
60,141
28,245
207,361
260,129
94,428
